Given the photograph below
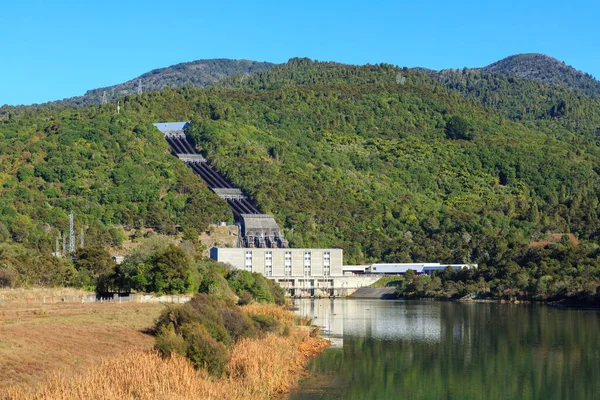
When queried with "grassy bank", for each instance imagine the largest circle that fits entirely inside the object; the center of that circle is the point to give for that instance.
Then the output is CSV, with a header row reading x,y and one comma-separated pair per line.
x,y
16,294
387,281
37,340
259,368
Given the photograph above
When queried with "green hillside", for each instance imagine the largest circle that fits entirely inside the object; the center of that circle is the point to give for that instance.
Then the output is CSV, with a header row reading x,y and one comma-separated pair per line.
x,y
369,166
111,170
555,110
387,163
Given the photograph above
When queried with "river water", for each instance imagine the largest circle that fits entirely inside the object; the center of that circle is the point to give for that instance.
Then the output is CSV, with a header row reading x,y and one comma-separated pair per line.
x,y
386,349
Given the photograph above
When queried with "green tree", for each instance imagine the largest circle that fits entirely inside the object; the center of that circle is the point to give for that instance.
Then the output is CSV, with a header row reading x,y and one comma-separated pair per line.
x,y
170,271
457,127
94,265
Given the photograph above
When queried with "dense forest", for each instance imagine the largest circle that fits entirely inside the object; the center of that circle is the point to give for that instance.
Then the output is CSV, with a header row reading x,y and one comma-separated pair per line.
x,y
113,171
388,163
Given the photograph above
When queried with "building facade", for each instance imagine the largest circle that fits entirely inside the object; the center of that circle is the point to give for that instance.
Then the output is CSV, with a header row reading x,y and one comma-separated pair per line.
x,y
418,268
282,262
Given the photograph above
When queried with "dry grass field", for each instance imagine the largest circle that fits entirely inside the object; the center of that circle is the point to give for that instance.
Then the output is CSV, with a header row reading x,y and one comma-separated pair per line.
x,y
259,369
21,294
38,340
98,351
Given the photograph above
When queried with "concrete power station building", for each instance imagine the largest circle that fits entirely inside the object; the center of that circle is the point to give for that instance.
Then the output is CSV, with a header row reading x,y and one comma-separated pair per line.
x,y
301,272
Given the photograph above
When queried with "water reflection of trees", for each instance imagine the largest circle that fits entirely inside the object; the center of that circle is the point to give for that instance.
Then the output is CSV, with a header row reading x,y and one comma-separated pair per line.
x,y
485,352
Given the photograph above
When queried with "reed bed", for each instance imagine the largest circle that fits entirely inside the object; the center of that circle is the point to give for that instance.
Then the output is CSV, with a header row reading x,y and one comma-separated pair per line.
x,y
280,314
258,369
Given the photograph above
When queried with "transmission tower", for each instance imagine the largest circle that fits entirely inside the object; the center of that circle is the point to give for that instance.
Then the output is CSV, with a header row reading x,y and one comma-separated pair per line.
x,y
118,106
104,98
139,88
71,235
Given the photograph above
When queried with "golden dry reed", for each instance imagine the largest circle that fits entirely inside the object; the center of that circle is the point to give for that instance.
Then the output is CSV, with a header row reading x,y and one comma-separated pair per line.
x,y
258,369
280,314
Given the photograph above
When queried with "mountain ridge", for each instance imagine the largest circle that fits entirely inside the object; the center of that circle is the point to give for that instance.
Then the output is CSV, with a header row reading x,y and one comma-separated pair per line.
x,y
533,67
197,73
206,72
545,69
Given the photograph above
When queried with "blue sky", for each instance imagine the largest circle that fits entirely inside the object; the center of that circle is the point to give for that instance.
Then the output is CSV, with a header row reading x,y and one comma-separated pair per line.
x,y
56,49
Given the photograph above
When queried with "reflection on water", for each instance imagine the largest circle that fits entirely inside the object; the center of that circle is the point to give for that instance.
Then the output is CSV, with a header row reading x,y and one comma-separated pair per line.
x,y
435,350
368,318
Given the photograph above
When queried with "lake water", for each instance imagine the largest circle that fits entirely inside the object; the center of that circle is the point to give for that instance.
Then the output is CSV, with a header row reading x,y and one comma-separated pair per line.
x,y
385,349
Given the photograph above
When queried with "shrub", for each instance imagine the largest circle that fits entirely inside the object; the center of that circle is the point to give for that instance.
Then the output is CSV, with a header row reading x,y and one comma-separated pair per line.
x,y
206,327
259,287
208,311
265,323
8,277
214,284
177,316
238,324
277,292
203,350
245,298
169,342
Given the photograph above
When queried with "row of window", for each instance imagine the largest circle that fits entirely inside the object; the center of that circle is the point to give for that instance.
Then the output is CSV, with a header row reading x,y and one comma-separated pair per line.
x,y
287,263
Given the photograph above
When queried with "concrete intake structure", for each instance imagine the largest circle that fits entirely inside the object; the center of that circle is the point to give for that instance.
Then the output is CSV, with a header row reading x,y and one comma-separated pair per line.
x,y
257,229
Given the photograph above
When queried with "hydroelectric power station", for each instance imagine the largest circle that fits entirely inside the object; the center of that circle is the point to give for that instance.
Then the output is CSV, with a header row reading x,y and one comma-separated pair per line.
x,y
262,246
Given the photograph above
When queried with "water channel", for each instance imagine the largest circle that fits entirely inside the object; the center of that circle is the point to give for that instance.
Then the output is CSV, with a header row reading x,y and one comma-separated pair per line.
x,y
387,349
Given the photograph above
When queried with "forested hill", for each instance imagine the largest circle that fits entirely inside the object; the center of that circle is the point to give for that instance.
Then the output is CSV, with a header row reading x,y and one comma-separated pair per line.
x,y
555,109
384,162
113,171
528,87
546,69
392,165
199,73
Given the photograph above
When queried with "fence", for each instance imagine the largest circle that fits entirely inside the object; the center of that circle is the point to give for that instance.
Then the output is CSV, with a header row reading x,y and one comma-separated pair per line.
x,y
132,298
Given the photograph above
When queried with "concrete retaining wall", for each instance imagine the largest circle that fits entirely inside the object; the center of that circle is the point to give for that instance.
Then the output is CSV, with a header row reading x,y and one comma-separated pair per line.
x,y
148,298
370,293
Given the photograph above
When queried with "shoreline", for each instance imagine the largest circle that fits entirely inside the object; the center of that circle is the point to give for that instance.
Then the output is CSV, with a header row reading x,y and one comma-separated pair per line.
x,y
559,303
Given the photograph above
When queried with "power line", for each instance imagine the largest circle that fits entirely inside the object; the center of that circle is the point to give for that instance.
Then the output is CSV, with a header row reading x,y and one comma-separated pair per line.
x,y
71,235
